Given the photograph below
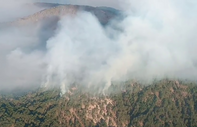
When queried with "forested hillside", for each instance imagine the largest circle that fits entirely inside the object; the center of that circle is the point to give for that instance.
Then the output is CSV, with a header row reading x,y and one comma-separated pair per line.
x,y
164,103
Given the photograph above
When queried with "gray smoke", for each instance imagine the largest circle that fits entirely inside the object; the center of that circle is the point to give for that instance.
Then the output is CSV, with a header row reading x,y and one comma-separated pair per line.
x,y
21,63
14,9
156,40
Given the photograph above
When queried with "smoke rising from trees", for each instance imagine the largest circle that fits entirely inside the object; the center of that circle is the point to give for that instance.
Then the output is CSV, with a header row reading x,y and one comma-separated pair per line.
x,y
155,40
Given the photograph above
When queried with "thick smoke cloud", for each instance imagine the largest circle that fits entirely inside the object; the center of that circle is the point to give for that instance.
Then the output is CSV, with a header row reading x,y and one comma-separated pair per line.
x,y
158,41
79,53
20,60
155,40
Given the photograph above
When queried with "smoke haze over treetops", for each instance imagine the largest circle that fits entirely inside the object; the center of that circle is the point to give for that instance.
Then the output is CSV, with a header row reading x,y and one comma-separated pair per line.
x,y
155,40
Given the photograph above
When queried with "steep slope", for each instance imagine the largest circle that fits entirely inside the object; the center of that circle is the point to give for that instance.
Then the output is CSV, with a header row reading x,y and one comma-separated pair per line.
x,y
164,103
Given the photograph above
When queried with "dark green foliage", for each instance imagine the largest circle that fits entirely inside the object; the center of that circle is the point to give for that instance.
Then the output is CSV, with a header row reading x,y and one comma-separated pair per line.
x,y
165,103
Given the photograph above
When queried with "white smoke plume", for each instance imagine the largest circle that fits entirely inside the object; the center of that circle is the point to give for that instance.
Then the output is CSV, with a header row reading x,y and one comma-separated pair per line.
x,y
156,40
21,63
79,53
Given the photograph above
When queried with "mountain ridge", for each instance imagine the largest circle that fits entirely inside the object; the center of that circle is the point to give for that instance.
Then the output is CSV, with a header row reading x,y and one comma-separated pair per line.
x,y
56,11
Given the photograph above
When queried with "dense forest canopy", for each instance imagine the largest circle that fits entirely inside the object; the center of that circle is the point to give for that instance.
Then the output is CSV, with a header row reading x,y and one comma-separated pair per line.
x,y
164,103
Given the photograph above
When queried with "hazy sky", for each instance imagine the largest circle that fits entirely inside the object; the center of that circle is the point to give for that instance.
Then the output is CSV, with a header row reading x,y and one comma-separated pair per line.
x,y
110,3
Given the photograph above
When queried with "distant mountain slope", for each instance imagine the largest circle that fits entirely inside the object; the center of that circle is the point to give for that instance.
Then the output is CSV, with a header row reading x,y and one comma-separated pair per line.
x,y
165,103
50,5
55,11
